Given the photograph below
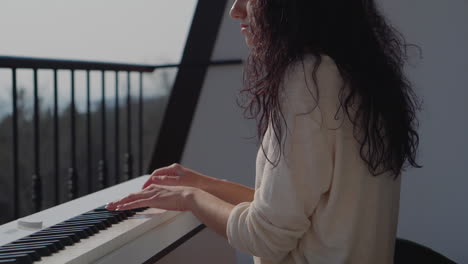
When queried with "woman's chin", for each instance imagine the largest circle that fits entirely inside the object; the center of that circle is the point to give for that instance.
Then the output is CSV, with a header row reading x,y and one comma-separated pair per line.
x,y
248,42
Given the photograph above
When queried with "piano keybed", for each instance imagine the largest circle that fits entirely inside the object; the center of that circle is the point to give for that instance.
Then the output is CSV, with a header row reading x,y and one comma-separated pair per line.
x,y
55,238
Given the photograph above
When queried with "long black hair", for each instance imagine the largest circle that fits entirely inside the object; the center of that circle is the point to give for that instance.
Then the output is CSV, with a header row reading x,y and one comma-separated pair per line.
x,y
369,54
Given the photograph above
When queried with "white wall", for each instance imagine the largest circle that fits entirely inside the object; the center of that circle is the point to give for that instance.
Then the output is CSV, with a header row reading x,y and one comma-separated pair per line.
x,y
434,210
434,200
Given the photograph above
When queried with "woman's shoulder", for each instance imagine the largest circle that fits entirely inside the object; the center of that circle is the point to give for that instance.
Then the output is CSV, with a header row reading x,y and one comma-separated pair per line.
x,y
313,81
316,69
309,61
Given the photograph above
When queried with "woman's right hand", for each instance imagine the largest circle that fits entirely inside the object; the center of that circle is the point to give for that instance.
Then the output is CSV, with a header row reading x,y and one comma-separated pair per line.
x,y
178,175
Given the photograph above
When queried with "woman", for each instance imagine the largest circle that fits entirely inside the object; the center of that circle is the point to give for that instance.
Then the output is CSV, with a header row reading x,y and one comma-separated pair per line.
x,y
336,120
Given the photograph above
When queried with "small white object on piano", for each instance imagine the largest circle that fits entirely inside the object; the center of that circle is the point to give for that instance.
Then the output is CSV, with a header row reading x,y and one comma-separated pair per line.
x,y
30,223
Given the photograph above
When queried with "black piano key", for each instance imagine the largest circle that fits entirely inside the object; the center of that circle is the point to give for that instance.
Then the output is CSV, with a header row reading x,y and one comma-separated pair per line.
x,y
93,221
99,214
33,254
41,250
55,243
112,219
81,233
123,213
92,228
119,215
17,261
89,228
66,238
20,258
103,209
127,212
141,209
52,245
9,261
102,213
98,225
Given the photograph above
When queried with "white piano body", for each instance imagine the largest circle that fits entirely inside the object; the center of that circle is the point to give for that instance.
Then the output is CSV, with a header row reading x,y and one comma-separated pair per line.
x,y
150,236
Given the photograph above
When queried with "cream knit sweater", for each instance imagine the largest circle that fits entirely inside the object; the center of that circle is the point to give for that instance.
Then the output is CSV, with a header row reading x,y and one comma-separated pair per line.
x,y
320,204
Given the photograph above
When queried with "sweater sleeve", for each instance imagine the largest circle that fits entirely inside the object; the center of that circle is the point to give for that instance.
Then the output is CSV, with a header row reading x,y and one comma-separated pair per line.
x,y
271,226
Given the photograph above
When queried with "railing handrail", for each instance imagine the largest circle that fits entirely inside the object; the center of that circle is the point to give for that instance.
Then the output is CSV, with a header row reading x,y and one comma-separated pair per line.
x,y
20,62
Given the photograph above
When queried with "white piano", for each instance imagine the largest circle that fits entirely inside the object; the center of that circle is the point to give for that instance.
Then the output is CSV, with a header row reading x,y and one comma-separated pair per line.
x,y
149,236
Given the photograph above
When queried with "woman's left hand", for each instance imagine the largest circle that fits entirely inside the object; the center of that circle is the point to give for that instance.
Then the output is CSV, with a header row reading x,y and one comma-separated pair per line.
x,y
172,198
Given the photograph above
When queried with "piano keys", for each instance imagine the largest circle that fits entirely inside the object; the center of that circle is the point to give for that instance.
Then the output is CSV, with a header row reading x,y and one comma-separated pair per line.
x,y
52,239
80,232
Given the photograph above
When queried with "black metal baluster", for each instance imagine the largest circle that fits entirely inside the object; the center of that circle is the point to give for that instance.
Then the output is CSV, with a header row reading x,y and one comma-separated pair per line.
x,y
56,141
102,163
72,174
140,127
128,155
88,131
16,190
117,128
36,178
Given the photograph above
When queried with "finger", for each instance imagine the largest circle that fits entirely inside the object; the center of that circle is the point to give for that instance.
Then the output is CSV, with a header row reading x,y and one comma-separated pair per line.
x,y
174,169
150,187
135,204
167,180
169,170
129,198
163,180
147,183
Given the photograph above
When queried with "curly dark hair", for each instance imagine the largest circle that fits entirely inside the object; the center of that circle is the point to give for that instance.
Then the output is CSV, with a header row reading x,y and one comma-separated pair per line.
x,y
369,54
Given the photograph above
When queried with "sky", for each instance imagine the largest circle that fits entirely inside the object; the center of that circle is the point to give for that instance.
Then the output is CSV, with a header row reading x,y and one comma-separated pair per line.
x,y
136,31
139,31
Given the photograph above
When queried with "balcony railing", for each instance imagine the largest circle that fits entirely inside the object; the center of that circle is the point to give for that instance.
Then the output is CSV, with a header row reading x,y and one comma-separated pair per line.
x,y
55,65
